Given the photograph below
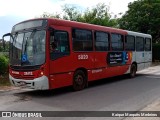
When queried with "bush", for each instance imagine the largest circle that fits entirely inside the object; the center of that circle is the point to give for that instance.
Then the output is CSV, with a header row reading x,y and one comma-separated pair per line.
x,y
3,64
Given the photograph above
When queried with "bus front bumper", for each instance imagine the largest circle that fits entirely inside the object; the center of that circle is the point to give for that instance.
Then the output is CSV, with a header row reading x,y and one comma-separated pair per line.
x,y
40,83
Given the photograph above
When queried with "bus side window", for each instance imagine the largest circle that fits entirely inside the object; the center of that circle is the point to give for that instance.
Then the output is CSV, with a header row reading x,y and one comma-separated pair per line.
x,y
139,43
117,42
82,40
147,44
101,41
59,44
130,43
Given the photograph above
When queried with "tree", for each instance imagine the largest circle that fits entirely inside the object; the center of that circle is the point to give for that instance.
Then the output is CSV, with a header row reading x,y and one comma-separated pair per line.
x,y
1,48
71,13
4,64
6,46
98,15
48,15
143,16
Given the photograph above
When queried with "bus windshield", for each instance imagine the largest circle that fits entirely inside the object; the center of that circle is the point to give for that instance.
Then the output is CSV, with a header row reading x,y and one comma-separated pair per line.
x,y
28,48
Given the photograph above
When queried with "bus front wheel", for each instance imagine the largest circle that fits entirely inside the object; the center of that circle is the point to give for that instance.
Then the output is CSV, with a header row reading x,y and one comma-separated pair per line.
x,y
133,71
79,80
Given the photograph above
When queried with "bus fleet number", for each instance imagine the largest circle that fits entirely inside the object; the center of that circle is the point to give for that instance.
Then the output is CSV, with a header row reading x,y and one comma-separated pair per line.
x,y
82,57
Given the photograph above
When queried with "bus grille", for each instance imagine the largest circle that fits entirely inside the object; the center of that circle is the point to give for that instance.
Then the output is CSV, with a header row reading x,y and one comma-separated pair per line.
x,y
28,77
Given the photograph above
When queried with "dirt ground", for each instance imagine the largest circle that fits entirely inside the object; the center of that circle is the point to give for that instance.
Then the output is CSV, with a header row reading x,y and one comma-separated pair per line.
x,y
8,88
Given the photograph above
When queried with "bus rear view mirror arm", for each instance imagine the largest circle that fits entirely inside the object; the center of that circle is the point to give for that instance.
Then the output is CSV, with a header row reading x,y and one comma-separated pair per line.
x,y
5,35
51,29
8,34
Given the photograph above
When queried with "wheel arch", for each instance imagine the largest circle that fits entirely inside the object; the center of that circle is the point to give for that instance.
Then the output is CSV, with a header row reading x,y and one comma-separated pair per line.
x,y
135,63
84,70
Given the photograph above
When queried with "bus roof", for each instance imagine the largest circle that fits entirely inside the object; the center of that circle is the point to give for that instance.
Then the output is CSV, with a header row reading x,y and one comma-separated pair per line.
x,y
138,34
75,24
54,21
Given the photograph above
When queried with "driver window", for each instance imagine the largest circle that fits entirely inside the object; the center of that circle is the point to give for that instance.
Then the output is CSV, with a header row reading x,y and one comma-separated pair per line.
x,y
59,44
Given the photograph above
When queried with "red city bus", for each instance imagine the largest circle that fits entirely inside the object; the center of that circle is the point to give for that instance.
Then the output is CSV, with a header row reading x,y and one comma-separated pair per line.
x,y
52,53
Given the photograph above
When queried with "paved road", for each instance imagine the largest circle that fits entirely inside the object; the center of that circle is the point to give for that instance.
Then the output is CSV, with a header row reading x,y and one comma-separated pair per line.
x,y
112,94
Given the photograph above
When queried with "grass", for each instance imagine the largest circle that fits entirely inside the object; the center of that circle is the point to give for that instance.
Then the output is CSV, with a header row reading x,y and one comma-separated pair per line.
x,y
4,80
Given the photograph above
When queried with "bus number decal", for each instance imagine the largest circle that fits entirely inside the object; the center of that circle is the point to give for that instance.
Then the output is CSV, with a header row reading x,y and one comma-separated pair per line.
x,y
28,73
82,57
15,72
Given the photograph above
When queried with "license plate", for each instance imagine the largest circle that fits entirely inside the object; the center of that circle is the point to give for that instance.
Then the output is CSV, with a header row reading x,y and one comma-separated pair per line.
x,y
22,83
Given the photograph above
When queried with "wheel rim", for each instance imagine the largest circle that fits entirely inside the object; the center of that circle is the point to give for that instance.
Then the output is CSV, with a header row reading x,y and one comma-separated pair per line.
x,y
133,71
79,80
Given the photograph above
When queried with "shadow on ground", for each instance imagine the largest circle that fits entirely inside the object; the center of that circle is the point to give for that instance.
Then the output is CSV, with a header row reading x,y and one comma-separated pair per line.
x,y
67,90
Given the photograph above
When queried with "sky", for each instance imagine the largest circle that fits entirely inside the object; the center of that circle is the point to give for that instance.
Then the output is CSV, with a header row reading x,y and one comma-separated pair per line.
x,y
15,11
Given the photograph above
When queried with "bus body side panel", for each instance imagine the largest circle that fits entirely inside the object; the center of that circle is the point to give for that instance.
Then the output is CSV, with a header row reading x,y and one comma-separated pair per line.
x,y
133,56
140,60
133,59
125,68
103,69
84,61
148,58
100,65
62,70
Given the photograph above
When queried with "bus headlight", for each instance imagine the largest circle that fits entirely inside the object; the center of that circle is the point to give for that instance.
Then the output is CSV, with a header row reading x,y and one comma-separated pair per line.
x,y
42,73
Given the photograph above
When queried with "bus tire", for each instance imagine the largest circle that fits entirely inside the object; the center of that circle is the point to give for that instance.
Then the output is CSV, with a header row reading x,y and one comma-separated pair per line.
x,y
79,80
133,70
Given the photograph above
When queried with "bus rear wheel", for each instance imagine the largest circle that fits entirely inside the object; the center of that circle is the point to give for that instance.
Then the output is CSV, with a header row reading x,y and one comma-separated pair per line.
x,y
79,80
133,71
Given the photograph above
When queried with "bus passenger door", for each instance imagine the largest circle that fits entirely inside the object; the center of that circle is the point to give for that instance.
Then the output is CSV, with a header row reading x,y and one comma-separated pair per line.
x,y
60,58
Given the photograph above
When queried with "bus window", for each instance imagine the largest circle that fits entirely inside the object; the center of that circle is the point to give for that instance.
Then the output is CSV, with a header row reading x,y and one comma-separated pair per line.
x,y
82,40
147,44
59,44
117,42
101,41
130,43
139,44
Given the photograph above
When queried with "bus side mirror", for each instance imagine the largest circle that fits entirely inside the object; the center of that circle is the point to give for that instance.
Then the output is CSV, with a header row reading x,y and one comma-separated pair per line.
x,y
5,35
